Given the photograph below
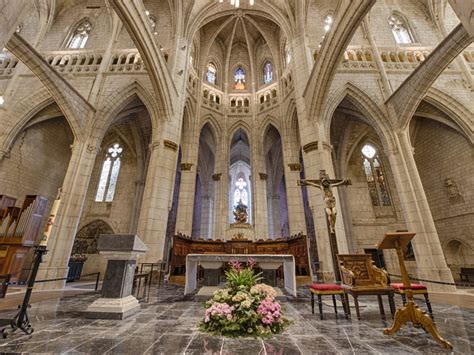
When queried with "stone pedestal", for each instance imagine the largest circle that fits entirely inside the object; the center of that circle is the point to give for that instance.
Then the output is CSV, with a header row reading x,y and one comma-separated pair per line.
x,y
116,301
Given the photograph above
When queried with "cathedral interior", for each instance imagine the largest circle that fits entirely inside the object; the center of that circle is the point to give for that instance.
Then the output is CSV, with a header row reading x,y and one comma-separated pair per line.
x,y
303,127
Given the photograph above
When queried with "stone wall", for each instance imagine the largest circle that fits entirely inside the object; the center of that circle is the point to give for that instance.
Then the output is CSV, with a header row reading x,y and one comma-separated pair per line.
x,y
441,153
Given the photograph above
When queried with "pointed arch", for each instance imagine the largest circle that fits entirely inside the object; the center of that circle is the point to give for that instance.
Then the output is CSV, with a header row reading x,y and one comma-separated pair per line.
x,y
120,99
26,109
457,112
372,113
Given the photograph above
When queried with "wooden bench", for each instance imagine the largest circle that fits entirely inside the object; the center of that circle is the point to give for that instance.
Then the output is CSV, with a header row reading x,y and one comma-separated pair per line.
x,y
4,280
467,274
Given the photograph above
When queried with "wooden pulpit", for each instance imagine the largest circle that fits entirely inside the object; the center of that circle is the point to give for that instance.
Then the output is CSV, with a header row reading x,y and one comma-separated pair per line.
x,y
410,312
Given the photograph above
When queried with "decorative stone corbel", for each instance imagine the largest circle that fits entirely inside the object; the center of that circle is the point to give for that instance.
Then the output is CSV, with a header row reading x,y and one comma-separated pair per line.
x,y
4,154
154,145
216,177
92,149
263,176
294,166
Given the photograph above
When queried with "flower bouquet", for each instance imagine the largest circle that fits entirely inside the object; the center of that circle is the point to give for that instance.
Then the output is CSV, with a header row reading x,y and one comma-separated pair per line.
x,y
244,307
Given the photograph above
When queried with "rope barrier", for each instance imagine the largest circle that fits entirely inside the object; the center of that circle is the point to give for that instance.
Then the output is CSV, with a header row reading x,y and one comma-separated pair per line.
x,y
461,284
22,283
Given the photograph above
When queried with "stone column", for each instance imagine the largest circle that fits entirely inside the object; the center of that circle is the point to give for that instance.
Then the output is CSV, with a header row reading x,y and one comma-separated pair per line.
x,y
63,233
296,217
157,198
184,220
259,193
317,156
430,260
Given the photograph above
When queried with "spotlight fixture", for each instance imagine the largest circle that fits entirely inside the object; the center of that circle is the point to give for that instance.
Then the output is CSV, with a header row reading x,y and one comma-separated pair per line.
x,y
236,3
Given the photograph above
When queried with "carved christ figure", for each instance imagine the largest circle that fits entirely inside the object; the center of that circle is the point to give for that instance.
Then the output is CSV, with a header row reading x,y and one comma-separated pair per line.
x,y
325,184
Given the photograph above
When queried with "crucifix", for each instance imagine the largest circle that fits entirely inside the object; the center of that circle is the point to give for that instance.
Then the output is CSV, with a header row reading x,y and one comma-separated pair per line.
x,y
325,184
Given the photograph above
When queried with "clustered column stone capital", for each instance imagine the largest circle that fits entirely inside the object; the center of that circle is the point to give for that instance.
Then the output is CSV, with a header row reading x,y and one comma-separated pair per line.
x,y
216,177
263,176
311,146
186,166
154,145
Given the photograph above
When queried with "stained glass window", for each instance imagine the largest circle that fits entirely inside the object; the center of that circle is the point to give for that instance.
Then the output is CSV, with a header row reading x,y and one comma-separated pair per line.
x,y
80,35
372,165
239,79
400,29
109,174
240,192
211,73
267,73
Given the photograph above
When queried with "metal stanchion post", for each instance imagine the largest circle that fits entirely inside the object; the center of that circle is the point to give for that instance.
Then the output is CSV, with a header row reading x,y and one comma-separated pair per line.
x,y
21,320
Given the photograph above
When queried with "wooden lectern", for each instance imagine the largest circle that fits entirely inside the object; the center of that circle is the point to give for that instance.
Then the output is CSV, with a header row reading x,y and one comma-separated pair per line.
x,y
410,312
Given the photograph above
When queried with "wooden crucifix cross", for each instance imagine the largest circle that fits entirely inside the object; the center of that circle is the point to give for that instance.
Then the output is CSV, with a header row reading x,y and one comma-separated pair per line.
x,y
325,184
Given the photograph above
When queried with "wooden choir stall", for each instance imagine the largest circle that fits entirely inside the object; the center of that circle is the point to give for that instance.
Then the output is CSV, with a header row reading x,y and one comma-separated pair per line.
x,y
296,245
19,231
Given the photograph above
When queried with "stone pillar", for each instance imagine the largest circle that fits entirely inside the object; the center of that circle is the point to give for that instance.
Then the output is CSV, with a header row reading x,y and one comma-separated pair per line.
x,y
430,260
317,156
184,220
220,205
296,217
260,216
63,233
157,198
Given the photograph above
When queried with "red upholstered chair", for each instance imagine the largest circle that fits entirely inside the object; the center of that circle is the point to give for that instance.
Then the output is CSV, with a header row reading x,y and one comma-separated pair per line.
x,y
416,289
327,289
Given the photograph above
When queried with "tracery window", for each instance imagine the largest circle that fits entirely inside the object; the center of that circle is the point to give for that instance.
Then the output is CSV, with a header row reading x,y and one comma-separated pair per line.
x,y
372,165
400,29
240,192
109,174
239,79
267,72
211,73
80,35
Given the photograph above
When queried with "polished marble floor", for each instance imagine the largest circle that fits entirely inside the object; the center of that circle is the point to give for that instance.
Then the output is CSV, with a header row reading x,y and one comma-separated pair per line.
x,y
167,325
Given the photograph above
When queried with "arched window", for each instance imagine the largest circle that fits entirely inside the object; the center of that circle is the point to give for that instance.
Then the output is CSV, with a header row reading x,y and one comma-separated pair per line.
x,y
239,79
328,20
80,35
375,176
152,21
211,73
287,55
109,174
267,72
400,29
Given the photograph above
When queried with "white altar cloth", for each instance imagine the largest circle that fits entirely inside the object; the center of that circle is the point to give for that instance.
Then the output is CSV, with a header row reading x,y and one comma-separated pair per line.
x,y
288,261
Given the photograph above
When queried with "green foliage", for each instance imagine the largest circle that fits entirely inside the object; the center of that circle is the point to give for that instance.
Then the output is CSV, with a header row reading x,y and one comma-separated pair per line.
x,y
244,277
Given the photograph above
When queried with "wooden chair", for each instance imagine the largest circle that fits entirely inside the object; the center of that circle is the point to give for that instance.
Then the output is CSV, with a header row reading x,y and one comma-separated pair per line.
x,y
360,277
321,289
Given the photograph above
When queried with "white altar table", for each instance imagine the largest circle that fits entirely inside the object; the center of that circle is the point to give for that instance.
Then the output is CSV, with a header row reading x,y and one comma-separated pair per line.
x,y
265,261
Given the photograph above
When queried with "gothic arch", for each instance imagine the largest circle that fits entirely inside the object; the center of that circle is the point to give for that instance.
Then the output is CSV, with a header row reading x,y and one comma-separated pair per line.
x,y
372,113
121,98
457,112
86,238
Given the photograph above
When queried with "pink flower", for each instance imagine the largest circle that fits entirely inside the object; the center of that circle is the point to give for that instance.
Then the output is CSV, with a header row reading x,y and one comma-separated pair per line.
x,y
235,264
251,263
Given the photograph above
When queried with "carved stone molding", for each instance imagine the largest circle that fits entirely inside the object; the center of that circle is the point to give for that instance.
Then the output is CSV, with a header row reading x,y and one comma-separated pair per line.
x,y
91,149
263,176
4,154
294,166
170,145
154,145
310,147
216,177
327,146
186,166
